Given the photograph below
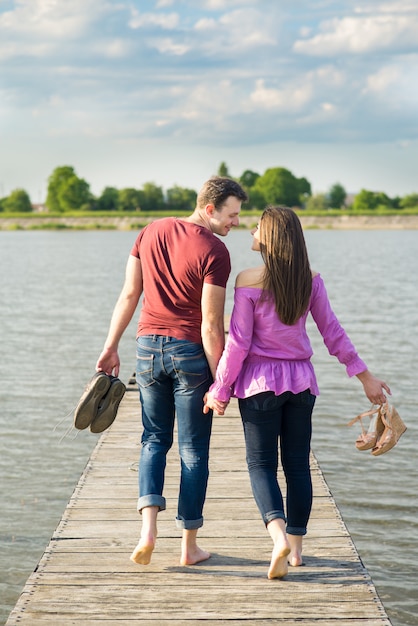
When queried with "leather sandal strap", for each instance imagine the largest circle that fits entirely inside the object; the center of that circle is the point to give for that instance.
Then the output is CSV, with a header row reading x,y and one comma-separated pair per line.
x,y
386,414
365,414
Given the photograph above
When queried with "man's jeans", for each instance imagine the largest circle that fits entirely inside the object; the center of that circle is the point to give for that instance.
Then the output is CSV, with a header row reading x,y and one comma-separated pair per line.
x,y
266,418
173,376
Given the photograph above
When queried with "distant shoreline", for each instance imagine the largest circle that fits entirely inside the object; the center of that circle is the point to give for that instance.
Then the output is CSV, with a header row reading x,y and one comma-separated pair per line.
x,y
136,222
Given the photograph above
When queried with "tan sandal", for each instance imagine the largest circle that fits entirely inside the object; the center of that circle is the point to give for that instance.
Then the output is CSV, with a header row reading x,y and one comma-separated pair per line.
x,y
393,429
368,438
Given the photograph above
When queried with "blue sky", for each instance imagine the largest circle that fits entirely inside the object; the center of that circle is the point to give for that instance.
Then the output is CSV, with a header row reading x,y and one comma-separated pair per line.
x,y
164,91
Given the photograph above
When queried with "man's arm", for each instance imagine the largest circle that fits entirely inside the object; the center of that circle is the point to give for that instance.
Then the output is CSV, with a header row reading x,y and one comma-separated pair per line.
x,y
122,315
213,332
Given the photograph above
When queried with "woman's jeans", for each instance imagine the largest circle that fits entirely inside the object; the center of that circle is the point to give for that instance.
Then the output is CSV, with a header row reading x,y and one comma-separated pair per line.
x,y
266,419
173,376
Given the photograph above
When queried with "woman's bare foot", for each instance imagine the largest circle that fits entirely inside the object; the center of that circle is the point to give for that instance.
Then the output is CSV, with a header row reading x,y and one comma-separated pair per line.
x,y
278,565
295,558
143,551
191,556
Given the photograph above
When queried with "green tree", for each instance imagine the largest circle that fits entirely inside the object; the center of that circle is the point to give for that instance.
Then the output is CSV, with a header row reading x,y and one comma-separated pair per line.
x,y
152,198
67,192
223,170
109,199
367,200
75,195
408,202
256,199
18,202
317,202
130,199
56,181
181,199
304,188
248,179
279,186
337,195
396,202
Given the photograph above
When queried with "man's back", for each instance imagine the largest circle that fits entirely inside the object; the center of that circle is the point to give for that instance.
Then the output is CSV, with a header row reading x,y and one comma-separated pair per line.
x,y
177,258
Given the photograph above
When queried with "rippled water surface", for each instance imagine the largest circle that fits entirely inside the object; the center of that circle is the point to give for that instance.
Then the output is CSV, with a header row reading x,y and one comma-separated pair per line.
x,y
58,290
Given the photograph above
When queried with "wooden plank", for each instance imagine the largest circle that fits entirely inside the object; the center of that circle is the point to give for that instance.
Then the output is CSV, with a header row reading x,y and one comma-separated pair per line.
x,y
85,577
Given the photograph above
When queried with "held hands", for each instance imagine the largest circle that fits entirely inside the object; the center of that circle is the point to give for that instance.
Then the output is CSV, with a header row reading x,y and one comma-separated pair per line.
x,y
108,362
373,387
217,405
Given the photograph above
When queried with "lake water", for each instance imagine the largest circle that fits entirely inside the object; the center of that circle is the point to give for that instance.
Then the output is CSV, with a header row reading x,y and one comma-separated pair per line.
x,y
58,290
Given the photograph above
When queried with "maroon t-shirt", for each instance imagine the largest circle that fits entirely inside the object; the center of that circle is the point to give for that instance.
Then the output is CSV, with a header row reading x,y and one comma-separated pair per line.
x,y
177,257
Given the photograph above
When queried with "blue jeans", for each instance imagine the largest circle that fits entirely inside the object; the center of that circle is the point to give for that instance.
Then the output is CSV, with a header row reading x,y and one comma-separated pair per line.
x,y
173,376
266,419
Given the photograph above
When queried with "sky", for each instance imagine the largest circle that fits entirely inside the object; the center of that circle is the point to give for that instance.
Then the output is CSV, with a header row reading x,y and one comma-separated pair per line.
x,y
129,92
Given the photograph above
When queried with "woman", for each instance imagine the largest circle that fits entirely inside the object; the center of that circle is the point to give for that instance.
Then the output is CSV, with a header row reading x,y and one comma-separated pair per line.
x,y
266,365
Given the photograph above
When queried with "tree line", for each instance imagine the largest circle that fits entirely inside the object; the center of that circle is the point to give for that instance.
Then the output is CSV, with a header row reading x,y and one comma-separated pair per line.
x,y
68,192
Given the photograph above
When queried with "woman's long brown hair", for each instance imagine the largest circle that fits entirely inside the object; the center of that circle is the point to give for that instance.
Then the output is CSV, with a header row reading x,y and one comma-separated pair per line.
x,y
287,275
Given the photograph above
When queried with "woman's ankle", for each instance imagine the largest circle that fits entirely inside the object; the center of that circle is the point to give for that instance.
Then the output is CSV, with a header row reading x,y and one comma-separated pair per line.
x,y
295,556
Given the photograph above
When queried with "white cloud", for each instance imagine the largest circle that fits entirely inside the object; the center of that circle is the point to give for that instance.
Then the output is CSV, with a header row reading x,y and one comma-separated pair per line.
x,y
206,23
361,35
395,87
169,46
287,99
401,6
207,101
235,32
383,79
10,50
226,4
117,48
50,18
166,21
297,93
48,29
249,27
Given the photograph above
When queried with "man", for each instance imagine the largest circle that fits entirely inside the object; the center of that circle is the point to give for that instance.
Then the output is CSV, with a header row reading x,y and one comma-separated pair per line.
x,y
181,268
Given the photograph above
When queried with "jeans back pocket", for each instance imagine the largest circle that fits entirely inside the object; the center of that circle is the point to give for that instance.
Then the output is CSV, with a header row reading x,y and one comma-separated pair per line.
x,y
144,370
191,371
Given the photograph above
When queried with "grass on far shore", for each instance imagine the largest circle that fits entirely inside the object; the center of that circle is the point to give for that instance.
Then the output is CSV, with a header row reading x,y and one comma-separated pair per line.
x,y
91,220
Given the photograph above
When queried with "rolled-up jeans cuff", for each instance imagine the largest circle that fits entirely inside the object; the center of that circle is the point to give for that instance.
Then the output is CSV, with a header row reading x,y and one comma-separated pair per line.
x,y
189,524
296,530
271,515
152,499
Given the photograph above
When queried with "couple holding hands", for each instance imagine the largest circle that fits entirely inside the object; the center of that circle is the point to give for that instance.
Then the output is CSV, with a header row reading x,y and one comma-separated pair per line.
x,y
180,267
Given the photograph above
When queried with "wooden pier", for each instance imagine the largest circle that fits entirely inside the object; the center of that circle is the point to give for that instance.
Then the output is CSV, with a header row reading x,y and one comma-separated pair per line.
x,y
86,578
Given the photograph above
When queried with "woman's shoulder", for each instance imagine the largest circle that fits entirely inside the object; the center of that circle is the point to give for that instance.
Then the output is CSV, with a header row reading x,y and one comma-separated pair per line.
x,y
253,277
250,277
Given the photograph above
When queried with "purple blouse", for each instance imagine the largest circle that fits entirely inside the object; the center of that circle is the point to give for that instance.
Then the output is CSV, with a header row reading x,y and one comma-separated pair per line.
x,y
263,354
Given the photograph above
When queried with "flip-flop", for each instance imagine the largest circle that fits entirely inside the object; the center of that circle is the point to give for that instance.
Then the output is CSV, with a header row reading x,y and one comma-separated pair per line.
x,y
108,407
94,392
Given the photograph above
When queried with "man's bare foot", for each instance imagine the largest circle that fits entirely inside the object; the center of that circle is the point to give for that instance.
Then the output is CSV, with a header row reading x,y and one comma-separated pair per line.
x,y
193,555
143,551
278,564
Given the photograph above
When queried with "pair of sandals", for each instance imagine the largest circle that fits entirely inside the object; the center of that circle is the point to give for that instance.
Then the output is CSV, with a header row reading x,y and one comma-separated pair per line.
x,y
99,403
386,427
